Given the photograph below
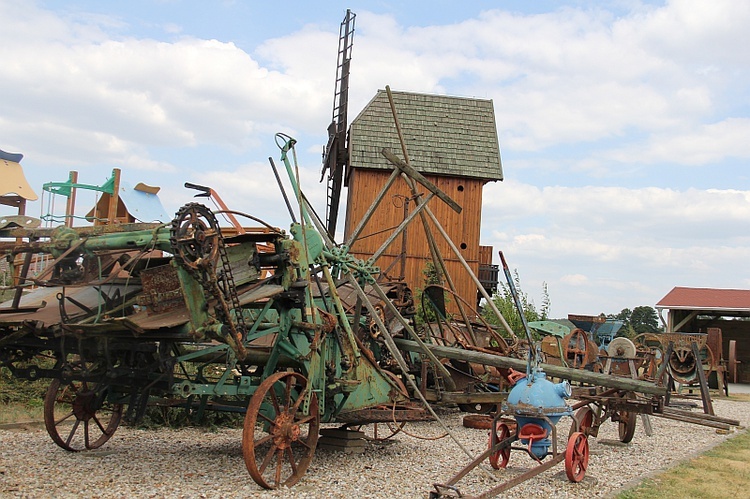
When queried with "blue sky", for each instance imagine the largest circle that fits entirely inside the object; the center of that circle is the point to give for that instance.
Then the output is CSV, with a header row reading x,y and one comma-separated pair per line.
x,y
623,125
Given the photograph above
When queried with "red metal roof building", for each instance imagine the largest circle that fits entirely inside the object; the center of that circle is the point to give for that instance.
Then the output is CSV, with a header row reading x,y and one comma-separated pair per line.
x,y
701,310
731,301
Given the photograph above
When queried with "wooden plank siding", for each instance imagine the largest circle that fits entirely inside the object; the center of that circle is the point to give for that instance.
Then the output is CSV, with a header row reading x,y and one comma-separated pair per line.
x,y
463,228
485,255
453,142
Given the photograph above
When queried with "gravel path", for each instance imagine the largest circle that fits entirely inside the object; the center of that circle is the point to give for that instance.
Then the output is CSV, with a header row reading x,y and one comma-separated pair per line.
x,y
196,463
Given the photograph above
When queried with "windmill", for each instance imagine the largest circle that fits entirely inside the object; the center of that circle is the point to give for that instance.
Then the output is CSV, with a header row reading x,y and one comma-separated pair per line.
x,y
335,155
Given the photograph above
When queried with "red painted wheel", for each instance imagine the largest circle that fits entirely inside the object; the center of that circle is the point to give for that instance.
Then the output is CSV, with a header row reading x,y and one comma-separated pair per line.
x,y
279,439
583,421
576,457
500,458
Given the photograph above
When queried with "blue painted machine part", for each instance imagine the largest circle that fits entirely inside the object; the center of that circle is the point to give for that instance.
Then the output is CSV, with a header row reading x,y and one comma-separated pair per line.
x,y
538,401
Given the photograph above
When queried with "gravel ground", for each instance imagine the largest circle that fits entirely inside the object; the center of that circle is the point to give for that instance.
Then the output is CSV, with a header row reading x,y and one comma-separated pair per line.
x,y
196,463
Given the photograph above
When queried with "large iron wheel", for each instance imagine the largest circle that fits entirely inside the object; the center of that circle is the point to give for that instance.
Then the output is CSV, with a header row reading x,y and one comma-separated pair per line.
x,y
576,457
576,349
279,439
78,416
649,343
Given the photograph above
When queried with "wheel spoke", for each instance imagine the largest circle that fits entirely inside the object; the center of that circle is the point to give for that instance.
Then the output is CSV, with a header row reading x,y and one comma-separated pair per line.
x,y
275,402
86,441
260,414
292,461
72,432
305,419
262,441
288,392
267,460
580,446
99,424
304,443
63,418
297,403
279,463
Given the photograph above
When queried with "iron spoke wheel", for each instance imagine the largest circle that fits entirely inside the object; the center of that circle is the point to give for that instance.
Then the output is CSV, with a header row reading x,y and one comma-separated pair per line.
x,y
279,439
626,423
576,457
499,459
626,426
77,415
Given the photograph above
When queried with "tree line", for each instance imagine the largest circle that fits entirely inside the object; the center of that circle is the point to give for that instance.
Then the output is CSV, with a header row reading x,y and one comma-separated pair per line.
x,y
641,319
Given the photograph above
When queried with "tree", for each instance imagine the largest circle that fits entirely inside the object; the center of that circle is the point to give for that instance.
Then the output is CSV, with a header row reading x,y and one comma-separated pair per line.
x,y
431,277
641,319
644,320
505,304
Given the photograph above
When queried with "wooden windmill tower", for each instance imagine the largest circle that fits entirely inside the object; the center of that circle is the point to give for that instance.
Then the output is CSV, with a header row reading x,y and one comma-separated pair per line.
x,y
452,141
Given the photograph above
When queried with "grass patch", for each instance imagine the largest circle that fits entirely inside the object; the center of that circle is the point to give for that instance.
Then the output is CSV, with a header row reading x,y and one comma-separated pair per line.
x,y
739,397
722,472
16,412
21,401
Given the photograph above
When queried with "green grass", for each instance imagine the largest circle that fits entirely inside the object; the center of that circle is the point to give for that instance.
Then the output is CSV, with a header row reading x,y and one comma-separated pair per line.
x,y
723,472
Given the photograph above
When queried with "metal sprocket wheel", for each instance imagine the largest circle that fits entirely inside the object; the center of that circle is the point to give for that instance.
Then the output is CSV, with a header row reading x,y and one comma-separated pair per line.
x,y
195,236
278,438
77,415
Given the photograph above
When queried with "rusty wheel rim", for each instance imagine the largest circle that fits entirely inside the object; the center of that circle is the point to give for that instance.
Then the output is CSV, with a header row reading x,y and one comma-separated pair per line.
x,y
626,422
576,349
576,457
626,426
278,440
499,459
583,421
77,417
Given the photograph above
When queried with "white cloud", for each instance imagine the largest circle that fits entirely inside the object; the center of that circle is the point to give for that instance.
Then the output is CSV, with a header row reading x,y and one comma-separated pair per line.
x,y
574,279
610,94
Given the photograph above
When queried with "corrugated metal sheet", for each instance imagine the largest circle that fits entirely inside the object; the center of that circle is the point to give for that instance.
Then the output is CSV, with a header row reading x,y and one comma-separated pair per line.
x,y
452,136
706,299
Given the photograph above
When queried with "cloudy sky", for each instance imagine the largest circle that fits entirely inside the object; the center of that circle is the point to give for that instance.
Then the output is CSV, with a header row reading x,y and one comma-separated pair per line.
x,y
624,126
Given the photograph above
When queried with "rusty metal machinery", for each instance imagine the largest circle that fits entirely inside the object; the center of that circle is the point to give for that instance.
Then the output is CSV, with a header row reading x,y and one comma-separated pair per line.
x,y
181,314
287,328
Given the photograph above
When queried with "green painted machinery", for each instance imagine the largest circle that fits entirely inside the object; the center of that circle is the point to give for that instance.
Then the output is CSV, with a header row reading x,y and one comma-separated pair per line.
x,y
188,314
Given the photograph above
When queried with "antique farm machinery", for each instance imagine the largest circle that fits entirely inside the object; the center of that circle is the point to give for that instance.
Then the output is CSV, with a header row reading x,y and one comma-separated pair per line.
x,y
188,314
537,405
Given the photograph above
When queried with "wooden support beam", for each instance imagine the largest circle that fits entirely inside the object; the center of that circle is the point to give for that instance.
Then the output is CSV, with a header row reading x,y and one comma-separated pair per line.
x,y
414,174
578,375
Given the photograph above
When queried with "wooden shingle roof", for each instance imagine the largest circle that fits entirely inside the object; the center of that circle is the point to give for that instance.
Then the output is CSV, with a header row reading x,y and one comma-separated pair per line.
x,y
708,299
450,136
